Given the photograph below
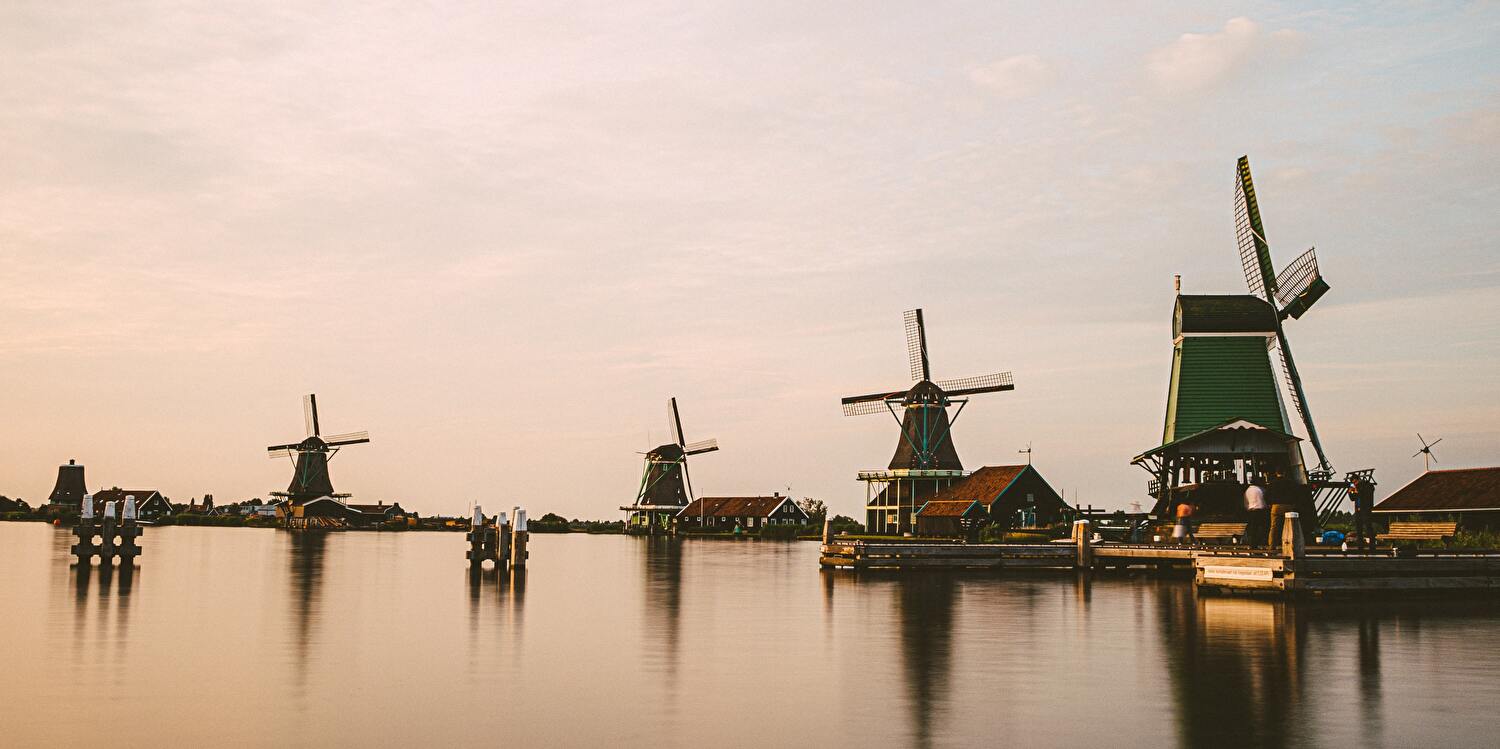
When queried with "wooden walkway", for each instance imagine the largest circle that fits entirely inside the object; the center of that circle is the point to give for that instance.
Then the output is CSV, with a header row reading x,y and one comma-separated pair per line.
x,y
1291,569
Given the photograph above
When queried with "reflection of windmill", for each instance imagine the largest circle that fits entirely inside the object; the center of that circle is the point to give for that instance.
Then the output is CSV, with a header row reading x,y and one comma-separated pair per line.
x,y
665,485
310,479
1291,292
1426,452
925,459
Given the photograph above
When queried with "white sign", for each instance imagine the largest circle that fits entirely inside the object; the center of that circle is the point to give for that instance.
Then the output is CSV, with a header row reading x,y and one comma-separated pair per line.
x,y
1239,573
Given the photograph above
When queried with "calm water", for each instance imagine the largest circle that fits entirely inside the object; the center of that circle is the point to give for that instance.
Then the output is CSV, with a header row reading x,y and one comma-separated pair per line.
x,y
239,637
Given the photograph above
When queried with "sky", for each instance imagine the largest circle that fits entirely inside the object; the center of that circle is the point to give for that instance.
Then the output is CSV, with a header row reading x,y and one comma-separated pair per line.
x,y
499,236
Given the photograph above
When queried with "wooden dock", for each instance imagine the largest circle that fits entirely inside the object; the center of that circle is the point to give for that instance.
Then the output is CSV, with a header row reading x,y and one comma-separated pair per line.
x,y
1290,570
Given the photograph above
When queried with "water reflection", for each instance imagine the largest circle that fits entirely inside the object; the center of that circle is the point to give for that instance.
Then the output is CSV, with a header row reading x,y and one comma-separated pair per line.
x,y
662,558
925,605
305,558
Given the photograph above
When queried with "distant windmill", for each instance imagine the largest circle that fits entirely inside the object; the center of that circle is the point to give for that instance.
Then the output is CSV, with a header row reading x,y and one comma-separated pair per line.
x,y
665,485
925,459
1027,453
1291,292
1426,452
310,479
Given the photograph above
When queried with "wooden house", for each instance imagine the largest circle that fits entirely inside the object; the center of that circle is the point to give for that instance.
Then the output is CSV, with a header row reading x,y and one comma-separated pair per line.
x,y
1007,496
1469,495
745,513
149,503
362,516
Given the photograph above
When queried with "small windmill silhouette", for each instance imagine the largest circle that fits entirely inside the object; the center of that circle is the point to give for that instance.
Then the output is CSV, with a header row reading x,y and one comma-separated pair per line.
x,y
1027,453
1426,452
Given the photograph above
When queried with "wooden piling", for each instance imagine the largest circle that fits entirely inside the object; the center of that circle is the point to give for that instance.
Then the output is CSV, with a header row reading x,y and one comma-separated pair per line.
x,y
518,541
1293,546
476,538
502,541
84,549
107,535
1084,543
129,531
827,530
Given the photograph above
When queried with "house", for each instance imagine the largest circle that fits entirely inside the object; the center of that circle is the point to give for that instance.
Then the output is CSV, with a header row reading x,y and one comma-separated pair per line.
x,y
149,503
746,513
1008,496
371,515
1469,495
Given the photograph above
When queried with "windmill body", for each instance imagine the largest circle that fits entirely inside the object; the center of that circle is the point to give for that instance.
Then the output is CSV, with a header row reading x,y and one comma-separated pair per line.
x,y
309,500
665,488
925,460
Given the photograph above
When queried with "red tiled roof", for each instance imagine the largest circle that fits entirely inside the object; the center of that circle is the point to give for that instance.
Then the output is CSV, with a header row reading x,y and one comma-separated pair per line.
x,y
983,486
1452,490
735,507
939,508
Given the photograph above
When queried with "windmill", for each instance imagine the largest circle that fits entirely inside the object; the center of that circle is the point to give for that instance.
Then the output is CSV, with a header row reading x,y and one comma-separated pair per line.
x,y
925,459
310,479
1426,452
665,485
1291,293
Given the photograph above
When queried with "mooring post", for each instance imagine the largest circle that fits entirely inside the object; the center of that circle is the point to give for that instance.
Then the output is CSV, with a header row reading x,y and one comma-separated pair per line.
x,y
518,541
107,535
1293,547
827,531
502,540
1084,543
476,537
129,530
84,550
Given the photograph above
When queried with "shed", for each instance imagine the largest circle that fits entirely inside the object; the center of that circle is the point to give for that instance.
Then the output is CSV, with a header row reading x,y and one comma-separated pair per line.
x,y
1469,495
951,517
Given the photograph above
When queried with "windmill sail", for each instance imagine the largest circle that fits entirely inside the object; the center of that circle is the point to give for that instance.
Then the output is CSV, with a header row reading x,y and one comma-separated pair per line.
x,y
1255,257
916,346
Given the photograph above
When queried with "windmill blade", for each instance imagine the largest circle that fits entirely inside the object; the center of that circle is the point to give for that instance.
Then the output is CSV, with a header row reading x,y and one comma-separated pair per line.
x,y
858,405
1434,443
1299,398
991,383
288,446
916,346
352,438
674,422
1300,284
1255,253
864,408
701,446
310,413
276,454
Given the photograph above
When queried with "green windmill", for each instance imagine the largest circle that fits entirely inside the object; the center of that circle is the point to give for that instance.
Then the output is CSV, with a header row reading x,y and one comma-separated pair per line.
x,y
1226,419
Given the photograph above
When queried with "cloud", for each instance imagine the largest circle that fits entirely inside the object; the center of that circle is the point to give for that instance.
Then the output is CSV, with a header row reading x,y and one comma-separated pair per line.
x,y
1014,77
1200,61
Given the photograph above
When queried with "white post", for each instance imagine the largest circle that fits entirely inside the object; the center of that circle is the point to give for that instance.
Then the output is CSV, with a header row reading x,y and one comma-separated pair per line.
x,y
109,510
130,508
478,517
87,510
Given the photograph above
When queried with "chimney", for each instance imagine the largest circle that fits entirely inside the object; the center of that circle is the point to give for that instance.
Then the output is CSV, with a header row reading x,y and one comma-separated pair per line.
x,y
1177,283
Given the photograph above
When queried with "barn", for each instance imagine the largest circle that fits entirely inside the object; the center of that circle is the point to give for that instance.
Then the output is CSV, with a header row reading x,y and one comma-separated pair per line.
x,y
1008,496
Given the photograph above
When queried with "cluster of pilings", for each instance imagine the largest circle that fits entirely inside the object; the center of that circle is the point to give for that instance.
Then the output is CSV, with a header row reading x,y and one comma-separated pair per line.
x,y
498,539
107,538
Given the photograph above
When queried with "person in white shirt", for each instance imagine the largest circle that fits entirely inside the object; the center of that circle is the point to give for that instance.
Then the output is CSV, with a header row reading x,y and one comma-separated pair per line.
x,y
1256,510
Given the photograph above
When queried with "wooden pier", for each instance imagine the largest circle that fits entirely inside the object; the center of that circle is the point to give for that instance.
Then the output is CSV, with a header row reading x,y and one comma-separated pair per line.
x,y
1290,570
498,540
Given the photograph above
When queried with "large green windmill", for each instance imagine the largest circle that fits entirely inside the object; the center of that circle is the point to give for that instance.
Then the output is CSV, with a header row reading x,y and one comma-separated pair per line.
x,y
1226,417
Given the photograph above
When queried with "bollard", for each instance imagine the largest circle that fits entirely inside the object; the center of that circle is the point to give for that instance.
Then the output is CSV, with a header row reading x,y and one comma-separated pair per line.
x,y
1292,544
1084,543
502,541
129,531
84,549
475,537
107,535
827,530
518,541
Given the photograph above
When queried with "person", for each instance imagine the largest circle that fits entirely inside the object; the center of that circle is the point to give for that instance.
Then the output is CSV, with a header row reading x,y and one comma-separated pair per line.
x,y
1363,493
1184,527
1255,509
